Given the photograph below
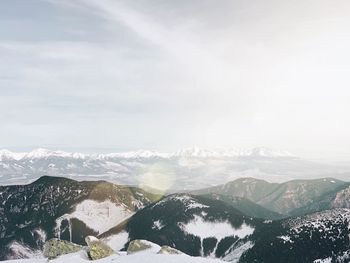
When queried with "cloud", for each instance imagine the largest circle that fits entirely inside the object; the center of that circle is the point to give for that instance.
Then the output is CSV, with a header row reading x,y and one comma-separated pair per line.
x,y
169,74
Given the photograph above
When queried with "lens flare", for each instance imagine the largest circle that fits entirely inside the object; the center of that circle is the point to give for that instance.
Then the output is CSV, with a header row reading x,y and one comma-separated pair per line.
x,y
159,176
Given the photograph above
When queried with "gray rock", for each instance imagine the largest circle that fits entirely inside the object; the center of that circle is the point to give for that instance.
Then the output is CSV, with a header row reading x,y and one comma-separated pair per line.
x,y
168,250
97,249
138,245
55,247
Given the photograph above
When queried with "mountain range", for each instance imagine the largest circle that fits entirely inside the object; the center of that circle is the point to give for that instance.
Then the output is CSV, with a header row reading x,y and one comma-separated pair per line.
x,y
188,169
189,152
246,220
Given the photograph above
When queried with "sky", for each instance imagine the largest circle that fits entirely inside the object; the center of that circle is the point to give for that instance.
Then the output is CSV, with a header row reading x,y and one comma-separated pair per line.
x,y
110,75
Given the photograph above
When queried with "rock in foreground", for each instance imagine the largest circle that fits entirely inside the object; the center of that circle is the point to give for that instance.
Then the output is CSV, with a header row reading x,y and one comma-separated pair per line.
x,y
169,250
97,248
55,247
142,245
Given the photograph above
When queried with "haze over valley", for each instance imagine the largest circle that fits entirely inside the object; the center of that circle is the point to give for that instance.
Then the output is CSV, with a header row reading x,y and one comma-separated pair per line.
x,y
186,169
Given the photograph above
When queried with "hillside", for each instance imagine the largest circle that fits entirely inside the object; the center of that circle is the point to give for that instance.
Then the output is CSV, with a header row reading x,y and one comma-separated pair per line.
x,y
195,225
338,198
64,208
207,227
281,198
246,206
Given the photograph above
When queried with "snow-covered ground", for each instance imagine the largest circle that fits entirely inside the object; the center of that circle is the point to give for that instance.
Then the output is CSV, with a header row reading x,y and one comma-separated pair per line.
x,y
117,242
144,257
205,229
99,216
217,229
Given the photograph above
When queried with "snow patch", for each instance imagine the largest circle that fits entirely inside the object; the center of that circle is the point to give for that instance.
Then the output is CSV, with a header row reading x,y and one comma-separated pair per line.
x,y
80,257
204,229
237,252
99,216
20,250
117,242
286,239
217,229
158,225
326,260
153,248
41,233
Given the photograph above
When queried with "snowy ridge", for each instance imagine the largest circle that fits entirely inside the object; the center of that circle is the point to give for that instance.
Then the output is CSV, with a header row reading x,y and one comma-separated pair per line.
x,y
187,200
320,220
329,225
187,152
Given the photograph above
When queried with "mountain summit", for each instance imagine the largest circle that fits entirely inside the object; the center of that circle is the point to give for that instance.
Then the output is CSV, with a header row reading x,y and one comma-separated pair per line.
x,y
185,152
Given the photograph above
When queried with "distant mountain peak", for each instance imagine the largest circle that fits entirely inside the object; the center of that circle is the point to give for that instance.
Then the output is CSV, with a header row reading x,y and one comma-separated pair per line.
x,y
194,152
50,179
232,152
266,152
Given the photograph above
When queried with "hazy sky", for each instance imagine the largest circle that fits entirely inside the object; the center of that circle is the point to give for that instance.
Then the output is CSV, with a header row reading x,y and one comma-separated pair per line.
x,y
164,74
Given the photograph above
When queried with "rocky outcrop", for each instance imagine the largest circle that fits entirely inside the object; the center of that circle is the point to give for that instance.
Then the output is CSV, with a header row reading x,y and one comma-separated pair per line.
x,y
55,247
342,199
168,250
138,245
97,249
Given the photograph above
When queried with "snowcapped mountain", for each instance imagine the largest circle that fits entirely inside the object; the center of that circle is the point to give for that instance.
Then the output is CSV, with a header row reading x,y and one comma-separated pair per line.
x,y
37,154
139,154
204,153
191,168
63,208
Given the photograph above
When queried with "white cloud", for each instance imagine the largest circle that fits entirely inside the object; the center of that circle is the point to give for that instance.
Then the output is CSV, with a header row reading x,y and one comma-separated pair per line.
x,y
234,74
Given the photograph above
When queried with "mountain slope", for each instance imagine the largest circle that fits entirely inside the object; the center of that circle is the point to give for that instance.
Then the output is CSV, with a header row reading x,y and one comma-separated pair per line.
x,y
246,206
195,225
281,198
205,227
319,236
64,208
338,198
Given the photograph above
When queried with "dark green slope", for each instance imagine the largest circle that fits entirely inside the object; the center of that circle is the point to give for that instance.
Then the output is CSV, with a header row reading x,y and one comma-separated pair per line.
x,y
174,212
281,198
246,206
294,240
338,198
25,209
